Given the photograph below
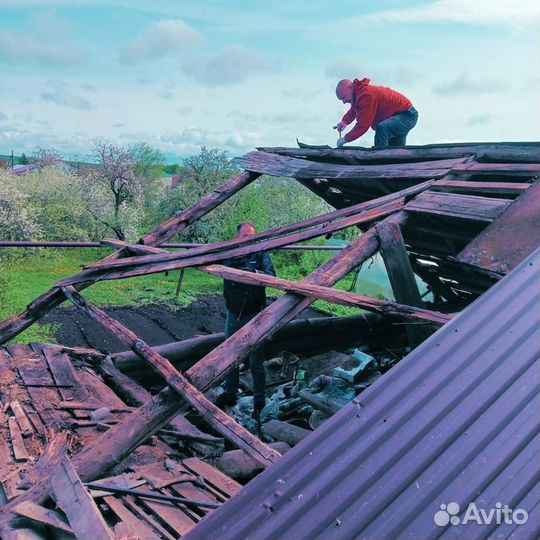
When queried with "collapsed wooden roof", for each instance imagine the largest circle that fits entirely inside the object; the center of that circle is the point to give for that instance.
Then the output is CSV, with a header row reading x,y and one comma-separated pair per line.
x,y
447,213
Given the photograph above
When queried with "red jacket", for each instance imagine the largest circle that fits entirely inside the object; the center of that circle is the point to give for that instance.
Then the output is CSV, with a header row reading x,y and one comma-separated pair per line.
x,y
371,105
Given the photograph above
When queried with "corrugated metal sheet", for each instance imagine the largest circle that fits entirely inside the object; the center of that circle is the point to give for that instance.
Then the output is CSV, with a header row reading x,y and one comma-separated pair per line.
x,y
457,420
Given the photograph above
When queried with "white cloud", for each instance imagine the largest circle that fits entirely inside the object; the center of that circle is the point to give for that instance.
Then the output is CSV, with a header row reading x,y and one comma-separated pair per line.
x,y
232,66
166,94
2,116
60,94
465,83
498,12
21,49
344,69
162,39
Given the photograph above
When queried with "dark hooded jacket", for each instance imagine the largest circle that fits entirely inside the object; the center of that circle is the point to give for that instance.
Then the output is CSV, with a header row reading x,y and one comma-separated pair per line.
x,y
243,299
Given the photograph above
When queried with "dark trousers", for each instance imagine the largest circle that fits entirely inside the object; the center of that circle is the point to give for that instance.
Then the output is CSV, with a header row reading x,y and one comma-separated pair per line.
x,y
393,131
256,359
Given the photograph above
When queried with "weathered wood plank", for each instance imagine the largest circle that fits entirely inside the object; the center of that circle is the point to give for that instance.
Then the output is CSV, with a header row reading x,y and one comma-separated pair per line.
x,y
139,527
496,248
79,507
42,515
169,513
49,459
149,264
223,423
404,194
22,419
510,169
400,273
334,296
19,450
501,188
147,516
214,476
277,165
526,152
467,207
64,376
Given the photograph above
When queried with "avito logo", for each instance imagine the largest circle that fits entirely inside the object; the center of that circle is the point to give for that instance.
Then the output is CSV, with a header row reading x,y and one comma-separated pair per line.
x,y
449,514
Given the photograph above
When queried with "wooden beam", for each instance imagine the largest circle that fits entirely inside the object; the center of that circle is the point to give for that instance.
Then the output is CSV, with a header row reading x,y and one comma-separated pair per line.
x,y
276,165
400,273
222,422
334,296
151,264
526,152
501,188
43,304
71,496
468,207
19,450
510,169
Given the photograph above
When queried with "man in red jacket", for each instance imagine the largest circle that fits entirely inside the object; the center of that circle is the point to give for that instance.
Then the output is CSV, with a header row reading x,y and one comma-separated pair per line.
x,y
388,112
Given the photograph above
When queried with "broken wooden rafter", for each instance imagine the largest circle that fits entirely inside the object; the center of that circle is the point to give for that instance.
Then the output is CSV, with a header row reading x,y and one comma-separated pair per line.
x,y
161,262
404,194
222,422
43,304
334,296
277,165
496,188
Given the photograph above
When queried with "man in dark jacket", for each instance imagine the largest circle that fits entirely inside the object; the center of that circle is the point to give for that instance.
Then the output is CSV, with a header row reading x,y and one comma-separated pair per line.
x,y
243,302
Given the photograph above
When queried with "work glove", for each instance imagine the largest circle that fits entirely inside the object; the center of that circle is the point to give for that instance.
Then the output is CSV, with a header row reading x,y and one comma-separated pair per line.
x,y
340,142
340,126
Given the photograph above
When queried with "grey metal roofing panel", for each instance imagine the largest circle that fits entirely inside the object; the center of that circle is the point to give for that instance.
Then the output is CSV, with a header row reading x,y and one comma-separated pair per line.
x,y
457,420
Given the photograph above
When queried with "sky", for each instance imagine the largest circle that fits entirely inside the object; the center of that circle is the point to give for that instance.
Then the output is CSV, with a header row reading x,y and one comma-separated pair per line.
x,y
179,75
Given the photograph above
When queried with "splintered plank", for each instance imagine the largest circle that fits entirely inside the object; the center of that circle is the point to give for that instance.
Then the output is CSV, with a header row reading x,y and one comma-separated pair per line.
x,y
22,419
468,207
213,476
65,377
19,450
49,459
79,507
42,515
140,528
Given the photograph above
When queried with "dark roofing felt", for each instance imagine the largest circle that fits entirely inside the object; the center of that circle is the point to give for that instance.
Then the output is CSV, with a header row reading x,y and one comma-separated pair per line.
x,y
457,420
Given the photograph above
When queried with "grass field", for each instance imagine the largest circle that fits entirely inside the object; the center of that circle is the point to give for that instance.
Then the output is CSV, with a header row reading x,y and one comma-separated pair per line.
x,y
25,279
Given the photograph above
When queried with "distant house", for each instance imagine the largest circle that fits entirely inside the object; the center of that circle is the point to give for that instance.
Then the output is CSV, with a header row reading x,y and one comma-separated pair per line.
x,y
21,170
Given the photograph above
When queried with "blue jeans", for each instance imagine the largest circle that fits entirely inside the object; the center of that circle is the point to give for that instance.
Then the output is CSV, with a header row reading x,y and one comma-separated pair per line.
x,y
393,131
256,359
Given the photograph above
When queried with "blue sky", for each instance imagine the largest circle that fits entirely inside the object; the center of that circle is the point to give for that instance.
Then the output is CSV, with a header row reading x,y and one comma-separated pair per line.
x,y
241,74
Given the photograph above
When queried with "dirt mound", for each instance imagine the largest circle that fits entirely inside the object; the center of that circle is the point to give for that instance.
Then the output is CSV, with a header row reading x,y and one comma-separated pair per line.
x,y
156,324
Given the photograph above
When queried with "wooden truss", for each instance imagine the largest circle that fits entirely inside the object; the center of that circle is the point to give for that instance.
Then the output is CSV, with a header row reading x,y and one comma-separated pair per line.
x,y
419,207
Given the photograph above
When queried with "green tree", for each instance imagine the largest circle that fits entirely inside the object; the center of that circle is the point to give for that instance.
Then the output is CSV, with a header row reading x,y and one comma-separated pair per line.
x,y
23,160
